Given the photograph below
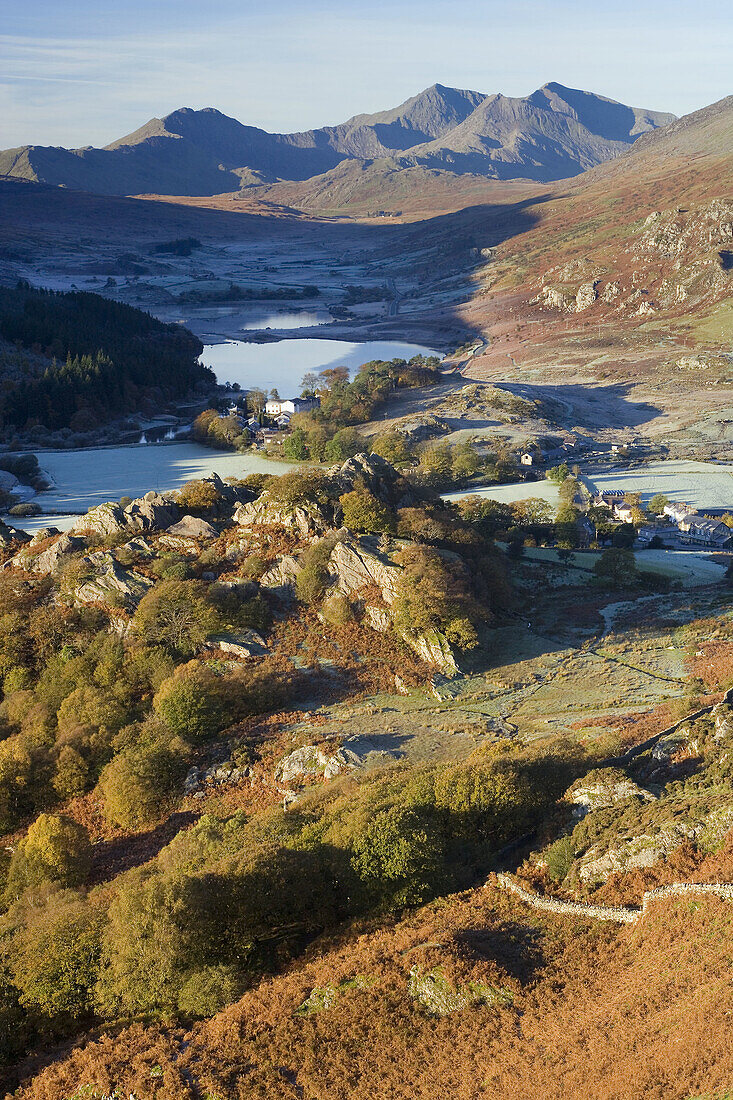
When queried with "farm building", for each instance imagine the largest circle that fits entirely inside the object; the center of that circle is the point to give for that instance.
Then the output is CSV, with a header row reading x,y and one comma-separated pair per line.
x,y
292,405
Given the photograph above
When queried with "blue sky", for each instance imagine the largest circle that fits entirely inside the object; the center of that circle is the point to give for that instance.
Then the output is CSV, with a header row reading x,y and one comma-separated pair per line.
x,y
77,72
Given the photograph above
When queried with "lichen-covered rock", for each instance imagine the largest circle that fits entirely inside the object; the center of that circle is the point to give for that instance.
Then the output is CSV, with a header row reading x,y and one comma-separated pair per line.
x,y
104,519
319,761
603,788
669,746
434,649
586,296
321,998
371,470
633,853
377,618
193,527
112,584
306,518
47,561
355,569
723,716
419,428
280,577
42,534
153,512
439,997
303,763
245,643
10,534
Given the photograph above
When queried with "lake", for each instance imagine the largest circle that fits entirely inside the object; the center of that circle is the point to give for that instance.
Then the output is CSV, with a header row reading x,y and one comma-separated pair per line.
x,y
286,319
282,363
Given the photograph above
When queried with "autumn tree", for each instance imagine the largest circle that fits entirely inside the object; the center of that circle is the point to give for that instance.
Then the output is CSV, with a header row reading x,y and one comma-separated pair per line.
x,y
55,849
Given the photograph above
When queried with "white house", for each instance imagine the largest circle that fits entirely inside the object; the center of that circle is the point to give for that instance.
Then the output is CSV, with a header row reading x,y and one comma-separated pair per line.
x,y
679,511
527,459
292,405
624,512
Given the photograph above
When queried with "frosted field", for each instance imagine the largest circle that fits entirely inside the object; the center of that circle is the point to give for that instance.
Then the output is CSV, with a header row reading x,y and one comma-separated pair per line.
x,y
508,494
82,479
701,484
689,566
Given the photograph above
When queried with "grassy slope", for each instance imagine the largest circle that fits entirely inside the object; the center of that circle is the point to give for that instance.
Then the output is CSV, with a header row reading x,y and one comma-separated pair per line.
x,y
592,1011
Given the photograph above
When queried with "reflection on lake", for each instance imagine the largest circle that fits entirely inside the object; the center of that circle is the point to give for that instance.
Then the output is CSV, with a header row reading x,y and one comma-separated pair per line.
x,y
283,363
286,319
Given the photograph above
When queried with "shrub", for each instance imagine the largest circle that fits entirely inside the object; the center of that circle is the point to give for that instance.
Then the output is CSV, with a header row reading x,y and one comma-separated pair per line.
x,y
559,858
54,956
55,849
175,614
393,446
137,784
199,496
398,858
363,512
190,702
313,579
28,509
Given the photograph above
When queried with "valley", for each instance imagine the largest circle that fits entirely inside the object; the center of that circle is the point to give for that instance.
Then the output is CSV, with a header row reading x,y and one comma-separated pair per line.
x,y
366,619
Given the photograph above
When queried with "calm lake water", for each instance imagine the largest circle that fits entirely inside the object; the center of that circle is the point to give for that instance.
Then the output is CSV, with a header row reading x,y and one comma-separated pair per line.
x,y
302,318
282,364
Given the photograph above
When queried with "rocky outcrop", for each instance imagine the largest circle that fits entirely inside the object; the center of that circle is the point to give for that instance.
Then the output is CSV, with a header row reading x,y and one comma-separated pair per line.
x,y
153,512
604,788
307,519
355,568
669,746
419,428
371,470
105,519
586,296
723,721
633,853
47,561
434,649
316,761
244,643
112,585
193,527
10,534
280,577
217,775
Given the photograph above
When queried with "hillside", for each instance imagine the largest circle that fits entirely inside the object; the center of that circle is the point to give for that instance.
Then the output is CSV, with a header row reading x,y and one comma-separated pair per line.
x,y
93,360
251,809
623,272
554,132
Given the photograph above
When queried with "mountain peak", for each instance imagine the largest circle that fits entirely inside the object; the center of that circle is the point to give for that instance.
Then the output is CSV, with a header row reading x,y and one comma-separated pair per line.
x,y
553,133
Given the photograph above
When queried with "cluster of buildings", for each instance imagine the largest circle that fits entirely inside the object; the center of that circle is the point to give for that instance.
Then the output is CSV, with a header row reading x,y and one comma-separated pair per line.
x,y
278,413
555,450
679,521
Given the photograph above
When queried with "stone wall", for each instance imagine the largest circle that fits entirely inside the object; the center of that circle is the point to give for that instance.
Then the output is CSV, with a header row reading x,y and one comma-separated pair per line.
x,y
620,914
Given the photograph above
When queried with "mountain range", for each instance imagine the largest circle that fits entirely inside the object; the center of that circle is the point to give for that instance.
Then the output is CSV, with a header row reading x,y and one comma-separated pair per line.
x,y
551,134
